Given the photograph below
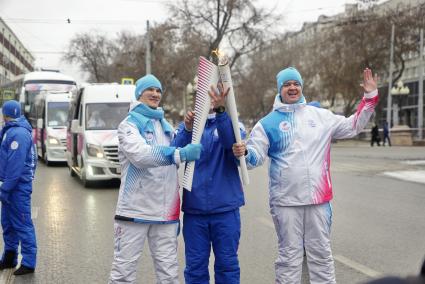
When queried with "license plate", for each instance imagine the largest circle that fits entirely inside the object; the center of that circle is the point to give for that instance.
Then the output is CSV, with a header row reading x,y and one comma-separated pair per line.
x,y
118,170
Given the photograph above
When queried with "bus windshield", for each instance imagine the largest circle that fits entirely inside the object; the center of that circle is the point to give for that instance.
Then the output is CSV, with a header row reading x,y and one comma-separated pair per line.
x,y
34,88
57,114
105,116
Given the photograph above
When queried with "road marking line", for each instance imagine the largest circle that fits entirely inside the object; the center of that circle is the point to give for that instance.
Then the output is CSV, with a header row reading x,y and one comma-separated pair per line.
x,y
357,266
34,212
415,162
411,176
348,262
266,222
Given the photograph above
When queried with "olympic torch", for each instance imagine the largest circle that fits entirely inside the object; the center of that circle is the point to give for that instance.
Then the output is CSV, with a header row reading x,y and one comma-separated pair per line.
x,y
226,79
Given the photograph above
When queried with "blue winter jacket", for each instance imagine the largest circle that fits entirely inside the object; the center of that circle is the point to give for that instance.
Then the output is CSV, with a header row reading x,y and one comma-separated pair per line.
x,y
216,185
17,156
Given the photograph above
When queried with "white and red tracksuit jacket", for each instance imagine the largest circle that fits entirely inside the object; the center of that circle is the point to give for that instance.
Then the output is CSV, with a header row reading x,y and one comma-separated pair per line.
x,y
297,138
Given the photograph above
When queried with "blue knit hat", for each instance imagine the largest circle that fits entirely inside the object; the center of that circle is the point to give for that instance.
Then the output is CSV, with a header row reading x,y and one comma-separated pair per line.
x,y
288,74
11,109
146,82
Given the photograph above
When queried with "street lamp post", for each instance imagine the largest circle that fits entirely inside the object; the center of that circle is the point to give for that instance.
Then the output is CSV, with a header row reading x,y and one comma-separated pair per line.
x,y
421,87
148,49
390,76
399,89
401,133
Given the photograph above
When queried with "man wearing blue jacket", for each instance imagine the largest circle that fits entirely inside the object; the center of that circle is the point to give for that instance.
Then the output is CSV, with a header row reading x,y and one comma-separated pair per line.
x,y
211,209
17,166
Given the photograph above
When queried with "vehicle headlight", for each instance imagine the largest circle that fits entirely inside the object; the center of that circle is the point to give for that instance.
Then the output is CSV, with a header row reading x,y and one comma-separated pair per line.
x,y
94,151
52,140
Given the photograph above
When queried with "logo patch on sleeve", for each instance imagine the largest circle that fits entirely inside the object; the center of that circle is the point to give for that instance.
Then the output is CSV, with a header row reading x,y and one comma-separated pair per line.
x,y
14,145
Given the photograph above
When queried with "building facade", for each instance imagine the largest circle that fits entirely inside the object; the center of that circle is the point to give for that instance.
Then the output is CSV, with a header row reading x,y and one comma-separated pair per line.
x,y
15,59
406,105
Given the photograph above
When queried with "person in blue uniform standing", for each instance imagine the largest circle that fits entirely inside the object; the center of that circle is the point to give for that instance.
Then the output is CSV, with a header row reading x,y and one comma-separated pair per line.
x,y
211,208
17,166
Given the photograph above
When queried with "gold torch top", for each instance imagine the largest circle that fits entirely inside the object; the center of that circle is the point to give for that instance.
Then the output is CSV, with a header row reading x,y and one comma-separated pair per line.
x,y
223,59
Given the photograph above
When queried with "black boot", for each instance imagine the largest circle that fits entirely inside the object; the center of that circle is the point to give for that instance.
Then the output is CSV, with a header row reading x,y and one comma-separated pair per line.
x,y
8,260
23,270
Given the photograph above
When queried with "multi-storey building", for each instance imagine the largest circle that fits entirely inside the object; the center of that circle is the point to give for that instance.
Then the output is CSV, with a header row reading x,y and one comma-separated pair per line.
x,y
406,105
15,59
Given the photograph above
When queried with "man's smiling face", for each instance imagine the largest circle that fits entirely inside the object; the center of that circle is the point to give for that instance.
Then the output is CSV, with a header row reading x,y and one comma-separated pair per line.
x,y
291,92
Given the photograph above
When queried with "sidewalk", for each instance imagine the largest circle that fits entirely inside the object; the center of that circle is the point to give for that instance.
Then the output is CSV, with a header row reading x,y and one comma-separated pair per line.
x,y
366,143
351,143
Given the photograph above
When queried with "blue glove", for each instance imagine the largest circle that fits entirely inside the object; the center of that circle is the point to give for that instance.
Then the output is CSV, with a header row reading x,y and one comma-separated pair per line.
x,y
4,197
190,152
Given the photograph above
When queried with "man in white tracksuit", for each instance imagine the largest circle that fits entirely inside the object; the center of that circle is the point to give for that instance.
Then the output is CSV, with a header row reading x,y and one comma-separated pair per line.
x,y
149,201
297,139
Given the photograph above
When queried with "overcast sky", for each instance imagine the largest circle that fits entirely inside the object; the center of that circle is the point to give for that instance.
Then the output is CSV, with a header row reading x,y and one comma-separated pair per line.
x,y
41,25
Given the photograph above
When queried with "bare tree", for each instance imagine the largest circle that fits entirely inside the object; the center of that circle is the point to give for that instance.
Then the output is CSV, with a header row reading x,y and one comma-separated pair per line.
x,y
362,40
92,51
332,58
129,56
237,23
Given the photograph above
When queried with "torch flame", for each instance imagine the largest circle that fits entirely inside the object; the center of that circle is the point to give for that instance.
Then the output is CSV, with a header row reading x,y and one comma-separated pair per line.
x,y
222,57
216,52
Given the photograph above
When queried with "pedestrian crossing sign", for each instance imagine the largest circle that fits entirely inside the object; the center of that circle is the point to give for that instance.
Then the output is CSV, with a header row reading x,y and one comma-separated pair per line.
x,y
127,81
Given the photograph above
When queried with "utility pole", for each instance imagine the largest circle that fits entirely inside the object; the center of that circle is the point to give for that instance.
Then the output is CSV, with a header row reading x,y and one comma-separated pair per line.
x,y
148,49
390,78
421,86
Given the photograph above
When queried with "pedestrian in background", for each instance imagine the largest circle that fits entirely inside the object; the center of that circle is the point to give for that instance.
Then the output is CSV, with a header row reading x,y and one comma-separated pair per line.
x,y
18,160
211,209
297,139
149,202
374,135
386,134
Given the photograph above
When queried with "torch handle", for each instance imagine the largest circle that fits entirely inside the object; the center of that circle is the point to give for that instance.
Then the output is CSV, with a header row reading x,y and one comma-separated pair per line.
x,y
226,79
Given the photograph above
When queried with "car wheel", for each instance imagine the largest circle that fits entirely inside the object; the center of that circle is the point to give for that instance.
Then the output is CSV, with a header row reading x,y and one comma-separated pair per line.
x,y
86,182
71,172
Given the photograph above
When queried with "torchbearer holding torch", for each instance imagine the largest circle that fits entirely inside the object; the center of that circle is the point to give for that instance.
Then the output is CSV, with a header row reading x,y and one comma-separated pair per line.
x,y
211,208
296,137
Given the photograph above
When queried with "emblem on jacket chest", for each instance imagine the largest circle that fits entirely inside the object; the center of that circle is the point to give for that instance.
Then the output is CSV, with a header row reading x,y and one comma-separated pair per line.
x,y
285,126
149,136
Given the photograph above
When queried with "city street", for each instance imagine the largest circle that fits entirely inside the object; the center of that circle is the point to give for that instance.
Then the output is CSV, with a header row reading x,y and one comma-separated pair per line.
x,y
378,222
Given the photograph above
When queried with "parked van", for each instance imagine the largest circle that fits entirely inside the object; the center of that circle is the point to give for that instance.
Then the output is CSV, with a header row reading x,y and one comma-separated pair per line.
x,y
92,142
48,116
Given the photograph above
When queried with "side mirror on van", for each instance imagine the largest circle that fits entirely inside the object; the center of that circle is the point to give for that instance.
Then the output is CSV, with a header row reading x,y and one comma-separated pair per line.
x,y
40,123
75,128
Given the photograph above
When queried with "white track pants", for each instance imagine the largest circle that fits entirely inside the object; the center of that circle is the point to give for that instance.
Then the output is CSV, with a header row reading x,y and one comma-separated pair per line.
x,y
300,227
129,240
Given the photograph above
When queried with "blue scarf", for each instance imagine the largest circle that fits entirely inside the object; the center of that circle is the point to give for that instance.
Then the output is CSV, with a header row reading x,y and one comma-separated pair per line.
x,y
143,114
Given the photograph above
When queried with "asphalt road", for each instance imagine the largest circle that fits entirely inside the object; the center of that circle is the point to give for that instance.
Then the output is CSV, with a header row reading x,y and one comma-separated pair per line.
x,y
378,226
